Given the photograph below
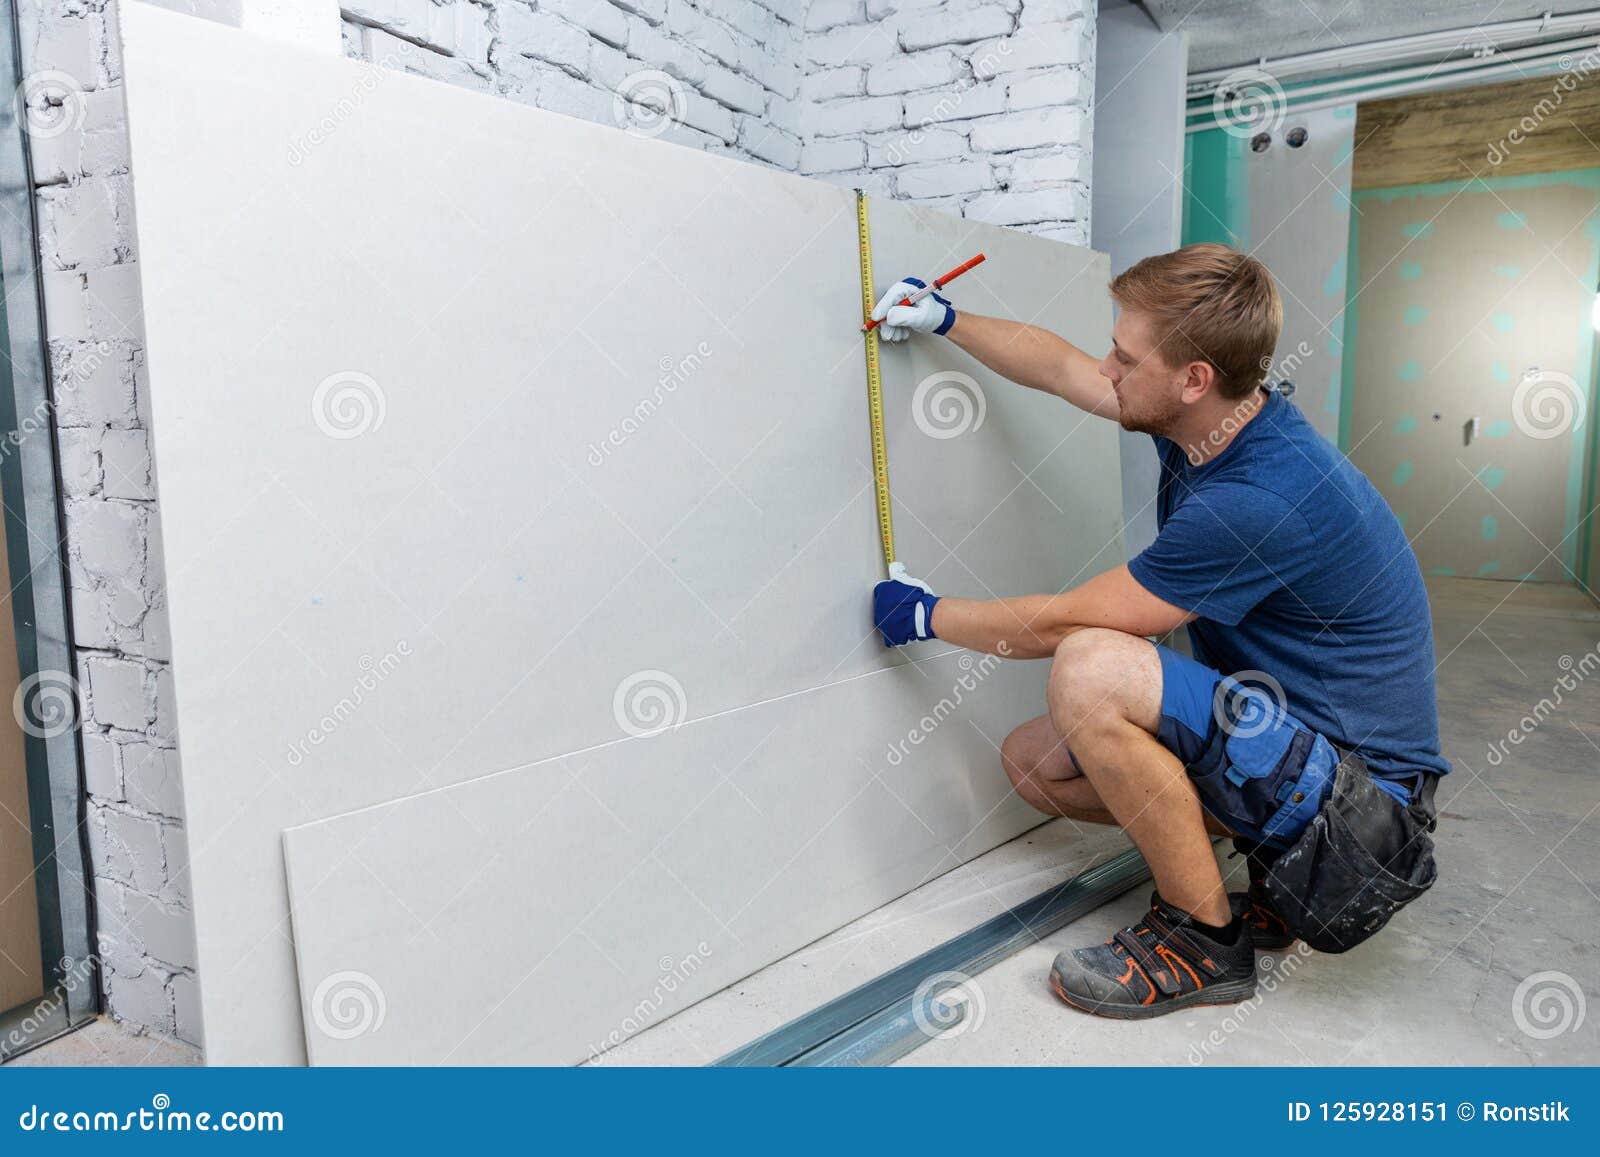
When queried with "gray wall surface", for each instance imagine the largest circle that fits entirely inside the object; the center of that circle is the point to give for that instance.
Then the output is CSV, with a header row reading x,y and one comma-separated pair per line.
x,y
1300,228
1138,191
1290,208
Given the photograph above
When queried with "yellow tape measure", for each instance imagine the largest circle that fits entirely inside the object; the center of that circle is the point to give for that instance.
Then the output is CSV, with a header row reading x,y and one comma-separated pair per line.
x,y
880,449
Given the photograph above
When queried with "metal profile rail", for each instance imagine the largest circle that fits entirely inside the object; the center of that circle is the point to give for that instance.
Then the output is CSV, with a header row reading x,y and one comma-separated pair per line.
x,y
1536,55
877,1022
1488,38
1523,70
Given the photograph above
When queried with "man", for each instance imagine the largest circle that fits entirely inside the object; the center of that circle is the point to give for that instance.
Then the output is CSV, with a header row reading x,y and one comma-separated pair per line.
x,y
1289,571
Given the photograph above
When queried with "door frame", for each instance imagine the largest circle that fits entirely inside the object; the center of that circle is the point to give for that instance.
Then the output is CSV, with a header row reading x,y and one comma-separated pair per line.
x,y
34,521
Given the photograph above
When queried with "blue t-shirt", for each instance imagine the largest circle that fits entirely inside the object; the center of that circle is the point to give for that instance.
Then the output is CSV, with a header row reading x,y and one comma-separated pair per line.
x,y
1297,567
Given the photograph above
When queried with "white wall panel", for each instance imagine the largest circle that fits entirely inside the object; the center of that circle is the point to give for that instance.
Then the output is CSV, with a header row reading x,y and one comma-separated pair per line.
x,y
526,917
402,552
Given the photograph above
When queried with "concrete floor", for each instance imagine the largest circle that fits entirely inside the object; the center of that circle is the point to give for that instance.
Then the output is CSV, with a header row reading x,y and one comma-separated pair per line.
x,y
1518,896
106,1043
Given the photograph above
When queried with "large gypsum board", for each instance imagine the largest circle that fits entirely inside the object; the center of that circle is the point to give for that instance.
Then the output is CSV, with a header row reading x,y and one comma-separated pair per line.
x,y
822,1029
415,450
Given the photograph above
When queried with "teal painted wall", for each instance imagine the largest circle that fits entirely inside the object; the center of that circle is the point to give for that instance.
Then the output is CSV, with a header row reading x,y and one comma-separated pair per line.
x,y
1216,205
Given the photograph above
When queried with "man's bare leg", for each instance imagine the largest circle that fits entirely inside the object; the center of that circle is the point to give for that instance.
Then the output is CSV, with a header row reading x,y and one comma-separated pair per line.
x,y
1036,761
1105,704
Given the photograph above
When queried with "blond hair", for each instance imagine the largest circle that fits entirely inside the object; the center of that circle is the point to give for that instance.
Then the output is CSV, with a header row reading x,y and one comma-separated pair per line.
x,y
1209,303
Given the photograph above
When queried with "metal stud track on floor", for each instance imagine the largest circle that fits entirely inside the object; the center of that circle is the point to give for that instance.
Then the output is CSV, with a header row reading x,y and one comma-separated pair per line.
x,y
877,1022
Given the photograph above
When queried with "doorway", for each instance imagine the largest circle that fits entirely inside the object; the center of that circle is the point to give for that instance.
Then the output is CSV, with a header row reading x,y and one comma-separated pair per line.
x,y
1440,267
1470,333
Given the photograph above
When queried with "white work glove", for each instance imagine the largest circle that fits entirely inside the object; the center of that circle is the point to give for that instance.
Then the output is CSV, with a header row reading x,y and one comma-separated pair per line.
x,y
933,314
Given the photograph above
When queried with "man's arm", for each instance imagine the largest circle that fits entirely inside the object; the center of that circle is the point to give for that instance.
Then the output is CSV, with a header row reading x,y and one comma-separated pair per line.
x,y
1026,354
1032,626
1037,358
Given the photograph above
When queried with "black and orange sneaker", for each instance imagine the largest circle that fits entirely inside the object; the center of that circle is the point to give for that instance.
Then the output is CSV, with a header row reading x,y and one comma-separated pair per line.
x,y
1267,928
1159,965
1255,908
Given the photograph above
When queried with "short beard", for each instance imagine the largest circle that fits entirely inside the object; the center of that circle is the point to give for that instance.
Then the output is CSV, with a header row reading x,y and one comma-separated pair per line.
x,y
1160,420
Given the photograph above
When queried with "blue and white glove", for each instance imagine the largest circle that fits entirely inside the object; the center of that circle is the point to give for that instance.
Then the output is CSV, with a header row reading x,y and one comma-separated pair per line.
x,y
933,314
902,608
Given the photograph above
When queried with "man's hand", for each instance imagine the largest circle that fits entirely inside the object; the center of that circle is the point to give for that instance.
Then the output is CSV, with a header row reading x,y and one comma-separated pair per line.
x,y
902,608
933,314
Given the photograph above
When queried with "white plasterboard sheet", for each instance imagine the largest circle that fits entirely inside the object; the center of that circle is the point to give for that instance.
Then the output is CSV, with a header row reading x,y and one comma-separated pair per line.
x,y
463,587
544,914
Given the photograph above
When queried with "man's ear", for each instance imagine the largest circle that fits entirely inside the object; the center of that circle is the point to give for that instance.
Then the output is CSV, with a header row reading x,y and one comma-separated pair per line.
x,y
1199,380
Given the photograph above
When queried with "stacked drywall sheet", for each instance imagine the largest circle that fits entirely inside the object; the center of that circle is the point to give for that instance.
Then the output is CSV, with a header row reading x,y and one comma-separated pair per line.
x,y
519,527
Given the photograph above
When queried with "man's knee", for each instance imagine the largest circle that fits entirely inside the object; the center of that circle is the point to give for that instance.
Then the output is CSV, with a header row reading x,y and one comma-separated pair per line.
x,y
1018,758
1019,755
1034,759
1090,677
1032,767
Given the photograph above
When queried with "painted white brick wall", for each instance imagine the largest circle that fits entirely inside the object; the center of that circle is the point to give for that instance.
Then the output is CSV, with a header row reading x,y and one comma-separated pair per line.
x,y
980,107
95,340
729,70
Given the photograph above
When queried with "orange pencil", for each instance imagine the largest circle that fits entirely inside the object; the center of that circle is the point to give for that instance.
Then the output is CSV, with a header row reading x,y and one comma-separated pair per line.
x,y
927,289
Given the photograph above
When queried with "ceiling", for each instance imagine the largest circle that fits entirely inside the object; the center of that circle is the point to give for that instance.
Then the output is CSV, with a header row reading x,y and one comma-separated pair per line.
x,y
1223,33
1469,132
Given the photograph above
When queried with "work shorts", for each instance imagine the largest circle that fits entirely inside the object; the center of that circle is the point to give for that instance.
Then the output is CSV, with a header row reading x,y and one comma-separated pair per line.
x,y
1258,770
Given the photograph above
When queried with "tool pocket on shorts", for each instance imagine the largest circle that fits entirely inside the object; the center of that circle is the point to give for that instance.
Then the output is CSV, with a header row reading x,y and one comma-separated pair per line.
x,y
1264,774
1360,860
